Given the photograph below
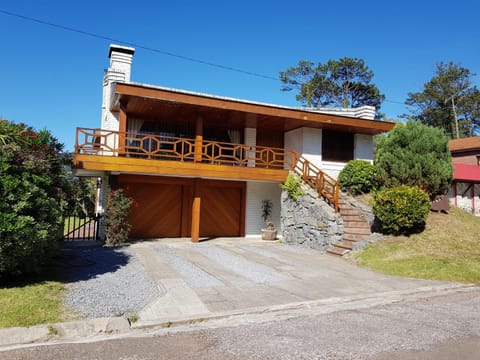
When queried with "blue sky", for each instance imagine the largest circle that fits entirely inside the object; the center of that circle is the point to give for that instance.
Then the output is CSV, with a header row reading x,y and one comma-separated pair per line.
x,y
52,78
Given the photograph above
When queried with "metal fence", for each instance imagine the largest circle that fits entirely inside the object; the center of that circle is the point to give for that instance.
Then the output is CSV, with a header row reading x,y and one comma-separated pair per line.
x,y
78,228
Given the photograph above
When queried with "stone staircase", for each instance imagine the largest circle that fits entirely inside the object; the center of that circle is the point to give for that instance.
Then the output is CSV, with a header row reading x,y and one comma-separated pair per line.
x,y
356,229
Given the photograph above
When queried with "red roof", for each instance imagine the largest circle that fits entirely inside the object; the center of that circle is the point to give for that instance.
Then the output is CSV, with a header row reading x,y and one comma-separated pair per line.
x,y
466,172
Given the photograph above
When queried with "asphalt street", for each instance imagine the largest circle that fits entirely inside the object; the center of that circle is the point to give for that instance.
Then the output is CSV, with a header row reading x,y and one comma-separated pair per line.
x,y
441,327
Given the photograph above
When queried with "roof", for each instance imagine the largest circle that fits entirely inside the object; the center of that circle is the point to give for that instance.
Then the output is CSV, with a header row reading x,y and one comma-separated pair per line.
x,y
466,172
136,95
465,144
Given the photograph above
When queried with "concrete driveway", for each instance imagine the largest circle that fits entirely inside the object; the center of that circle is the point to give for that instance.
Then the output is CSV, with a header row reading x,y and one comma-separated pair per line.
x,y
238,275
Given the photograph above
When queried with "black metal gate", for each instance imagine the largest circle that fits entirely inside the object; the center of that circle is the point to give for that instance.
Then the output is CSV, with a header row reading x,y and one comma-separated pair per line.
x,y
81,228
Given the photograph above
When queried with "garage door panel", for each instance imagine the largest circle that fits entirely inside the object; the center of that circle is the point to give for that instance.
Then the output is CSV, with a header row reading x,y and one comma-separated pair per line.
x,y
220,211
159,211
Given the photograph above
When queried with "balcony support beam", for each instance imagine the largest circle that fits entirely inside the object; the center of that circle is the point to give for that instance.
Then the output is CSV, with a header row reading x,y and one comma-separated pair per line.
x,y
196,205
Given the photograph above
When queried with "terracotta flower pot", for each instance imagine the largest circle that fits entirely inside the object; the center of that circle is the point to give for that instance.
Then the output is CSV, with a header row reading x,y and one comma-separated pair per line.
x,y
269,234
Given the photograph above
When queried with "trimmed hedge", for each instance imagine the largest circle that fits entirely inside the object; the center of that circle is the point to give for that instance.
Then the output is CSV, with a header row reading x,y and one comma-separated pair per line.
x,y
401,210
357,177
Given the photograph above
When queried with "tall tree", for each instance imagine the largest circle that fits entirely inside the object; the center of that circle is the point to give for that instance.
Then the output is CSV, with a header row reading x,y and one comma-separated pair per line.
x,y
344,83
449,101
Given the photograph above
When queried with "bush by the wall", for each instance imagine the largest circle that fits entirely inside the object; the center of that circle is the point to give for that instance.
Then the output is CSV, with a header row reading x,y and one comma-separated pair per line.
x,y
117,211
357,177
401,210
293,186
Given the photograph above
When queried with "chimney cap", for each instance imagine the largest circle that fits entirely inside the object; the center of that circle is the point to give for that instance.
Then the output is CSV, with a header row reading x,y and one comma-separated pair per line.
x,y
120,49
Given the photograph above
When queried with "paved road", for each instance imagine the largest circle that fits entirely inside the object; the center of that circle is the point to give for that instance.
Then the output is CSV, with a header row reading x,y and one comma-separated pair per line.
x,y
443,327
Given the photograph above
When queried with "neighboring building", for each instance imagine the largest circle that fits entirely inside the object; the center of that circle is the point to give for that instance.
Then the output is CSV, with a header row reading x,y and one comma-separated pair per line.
x,y
201,165
465,192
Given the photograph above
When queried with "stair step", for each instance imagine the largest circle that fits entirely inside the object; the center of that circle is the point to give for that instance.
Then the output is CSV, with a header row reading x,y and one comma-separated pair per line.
x,y
337,251
352,218
357,231
354,237
343,245
348,211
362,224
347,243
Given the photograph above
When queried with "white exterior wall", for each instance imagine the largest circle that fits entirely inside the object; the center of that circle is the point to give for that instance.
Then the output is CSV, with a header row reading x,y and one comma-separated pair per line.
x,y
467,198
257,192
293,140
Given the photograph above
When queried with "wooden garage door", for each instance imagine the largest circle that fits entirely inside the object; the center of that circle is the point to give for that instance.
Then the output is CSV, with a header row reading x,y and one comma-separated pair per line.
x,y
221,211
159,212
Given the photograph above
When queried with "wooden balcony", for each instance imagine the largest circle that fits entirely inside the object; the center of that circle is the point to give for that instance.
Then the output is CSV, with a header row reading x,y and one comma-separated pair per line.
x,y
134,152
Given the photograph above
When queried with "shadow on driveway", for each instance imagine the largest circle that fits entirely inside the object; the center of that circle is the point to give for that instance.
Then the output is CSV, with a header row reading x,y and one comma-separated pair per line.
x,y
85,260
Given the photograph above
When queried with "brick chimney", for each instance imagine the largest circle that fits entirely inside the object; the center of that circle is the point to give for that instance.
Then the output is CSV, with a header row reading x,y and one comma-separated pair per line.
x,y
119,71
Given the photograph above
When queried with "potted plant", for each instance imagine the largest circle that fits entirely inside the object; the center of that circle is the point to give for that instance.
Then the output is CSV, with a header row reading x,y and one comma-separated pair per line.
x,y
269,232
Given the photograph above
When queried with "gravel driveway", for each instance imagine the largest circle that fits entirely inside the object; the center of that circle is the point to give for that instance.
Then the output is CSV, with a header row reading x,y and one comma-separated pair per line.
x,y
105,281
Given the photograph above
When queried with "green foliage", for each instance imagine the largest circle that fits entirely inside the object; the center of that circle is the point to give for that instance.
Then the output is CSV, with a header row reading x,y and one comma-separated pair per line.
x,y
402,209
293,186
416,155
448,101
31,187
343,83
266,209
118,208
357,177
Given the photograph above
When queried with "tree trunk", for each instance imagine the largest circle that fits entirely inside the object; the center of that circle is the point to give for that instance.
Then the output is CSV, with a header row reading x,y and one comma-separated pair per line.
x,y
454,109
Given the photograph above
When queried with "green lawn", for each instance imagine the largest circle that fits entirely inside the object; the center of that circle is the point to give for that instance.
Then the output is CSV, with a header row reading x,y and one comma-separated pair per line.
x,y
448,249
32,304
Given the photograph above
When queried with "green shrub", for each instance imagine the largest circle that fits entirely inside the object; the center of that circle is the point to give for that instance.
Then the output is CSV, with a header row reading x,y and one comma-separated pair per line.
x,y
118,209
402,209
414,154
357,177
31,187
293,186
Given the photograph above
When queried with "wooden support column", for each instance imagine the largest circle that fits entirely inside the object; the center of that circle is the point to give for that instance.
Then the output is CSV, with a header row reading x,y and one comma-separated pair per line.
x,y
195,234
122,129
199,139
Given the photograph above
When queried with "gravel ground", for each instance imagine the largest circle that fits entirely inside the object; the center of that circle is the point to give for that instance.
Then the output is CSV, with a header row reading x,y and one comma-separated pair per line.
x,y
106,282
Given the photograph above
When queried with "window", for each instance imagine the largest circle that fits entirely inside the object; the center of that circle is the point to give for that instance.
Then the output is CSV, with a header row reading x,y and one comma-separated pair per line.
x,y
337,145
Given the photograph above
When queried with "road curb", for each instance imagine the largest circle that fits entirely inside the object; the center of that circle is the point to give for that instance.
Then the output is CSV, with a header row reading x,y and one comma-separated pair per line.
x,y
106,327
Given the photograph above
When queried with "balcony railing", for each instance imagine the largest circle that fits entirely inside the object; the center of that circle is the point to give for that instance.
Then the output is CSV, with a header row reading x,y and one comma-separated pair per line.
x,y
159,147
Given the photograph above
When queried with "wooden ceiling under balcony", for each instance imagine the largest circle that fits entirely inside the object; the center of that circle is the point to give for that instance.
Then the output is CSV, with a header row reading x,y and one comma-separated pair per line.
x,y
153,103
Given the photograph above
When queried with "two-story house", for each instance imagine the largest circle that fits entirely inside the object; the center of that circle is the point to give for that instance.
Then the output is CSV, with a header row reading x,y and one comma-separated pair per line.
x,y
465,192
201,165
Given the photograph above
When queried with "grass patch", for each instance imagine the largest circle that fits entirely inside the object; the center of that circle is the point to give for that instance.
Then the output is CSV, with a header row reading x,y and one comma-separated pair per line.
x,y
448,249
31,304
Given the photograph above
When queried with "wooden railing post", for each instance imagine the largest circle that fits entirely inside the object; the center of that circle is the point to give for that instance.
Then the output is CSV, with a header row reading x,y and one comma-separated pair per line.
x,y
122,129
198,140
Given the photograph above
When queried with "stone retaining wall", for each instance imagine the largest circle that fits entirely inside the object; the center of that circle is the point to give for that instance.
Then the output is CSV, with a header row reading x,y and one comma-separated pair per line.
x,y
309,221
